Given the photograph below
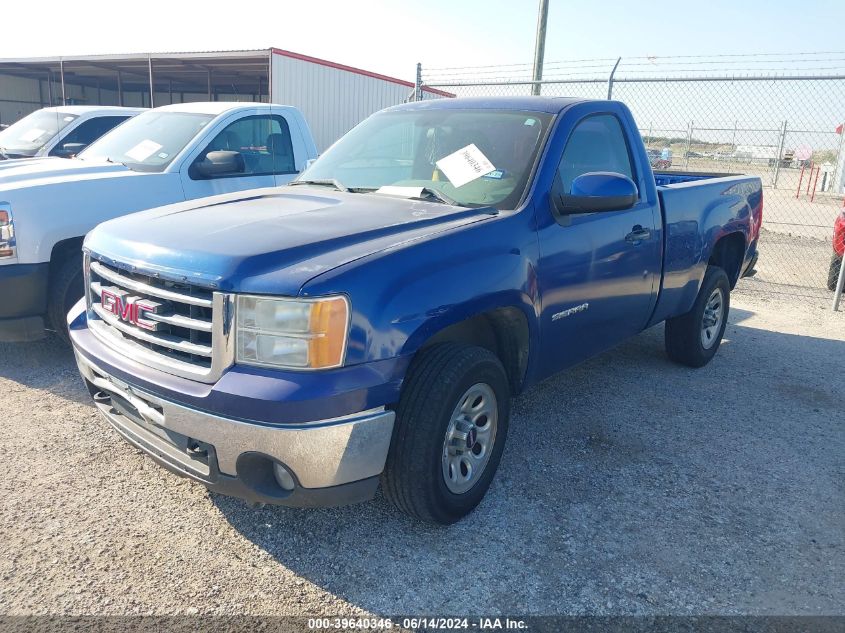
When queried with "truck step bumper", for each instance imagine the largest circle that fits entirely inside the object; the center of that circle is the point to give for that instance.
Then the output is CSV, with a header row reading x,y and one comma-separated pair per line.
x,y
324,463
750,270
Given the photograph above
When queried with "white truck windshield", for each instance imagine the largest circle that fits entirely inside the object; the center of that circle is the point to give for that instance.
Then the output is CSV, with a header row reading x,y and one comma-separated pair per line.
x,y
33,132
149,141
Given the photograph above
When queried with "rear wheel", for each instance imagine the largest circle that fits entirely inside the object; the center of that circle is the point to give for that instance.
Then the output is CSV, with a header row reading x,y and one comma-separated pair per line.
x,y
450,431
693,338
833,273
66,288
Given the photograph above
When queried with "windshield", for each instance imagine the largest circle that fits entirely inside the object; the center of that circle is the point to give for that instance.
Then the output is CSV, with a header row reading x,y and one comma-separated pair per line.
x,y
149,141
33,132
474,157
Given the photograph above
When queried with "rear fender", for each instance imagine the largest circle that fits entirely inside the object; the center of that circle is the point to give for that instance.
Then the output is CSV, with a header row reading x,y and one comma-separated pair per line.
x,y
691,236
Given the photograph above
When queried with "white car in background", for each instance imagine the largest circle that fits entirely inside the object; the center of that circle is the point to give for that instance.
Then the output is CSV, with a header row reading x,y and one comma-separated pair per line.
x,y
62,132
166,155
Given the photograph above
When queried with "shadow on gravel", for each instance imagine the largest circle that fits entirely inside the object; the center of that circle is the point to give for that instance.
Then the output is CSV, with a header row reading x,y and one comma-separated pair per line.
x,y
46,364
628,485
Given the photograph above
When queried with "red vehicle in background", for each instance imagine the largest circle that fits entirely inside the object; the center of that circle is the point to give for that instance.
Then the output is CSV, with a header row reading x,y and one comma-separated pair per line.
x,y
838,250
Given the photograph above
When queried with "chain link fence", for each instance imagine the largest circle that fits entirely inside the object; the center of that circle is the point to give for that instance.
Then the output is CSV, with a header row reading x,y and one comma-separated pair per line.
x,y
729,114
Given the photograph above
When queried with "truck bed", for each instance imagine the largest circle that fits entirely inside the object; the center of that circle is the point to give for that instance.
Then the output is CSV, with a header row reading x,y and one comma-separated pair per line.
x,y
667,178
695,207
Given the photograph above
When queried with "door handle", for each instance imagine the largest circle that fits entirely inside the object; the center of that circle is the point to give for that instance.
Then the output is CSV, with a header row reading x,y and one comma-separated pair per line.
x,y
638,234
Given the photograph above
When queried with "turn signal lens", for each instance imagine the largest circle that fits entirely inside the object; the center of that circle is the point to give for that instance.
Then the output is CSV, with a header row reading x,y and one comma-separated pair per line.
x,y
7,234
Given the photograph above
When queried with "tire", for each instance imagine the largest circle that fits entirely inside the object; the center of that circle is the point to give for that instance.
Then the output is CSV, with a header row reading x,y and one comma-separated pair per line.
x,y
686,341
426,475
833,273
67,286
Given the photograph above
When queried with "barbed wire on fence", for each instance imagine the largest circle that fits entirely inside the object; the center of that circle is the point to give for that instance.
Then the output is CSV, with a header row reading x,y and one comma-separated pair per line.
x,y
778,116
681,66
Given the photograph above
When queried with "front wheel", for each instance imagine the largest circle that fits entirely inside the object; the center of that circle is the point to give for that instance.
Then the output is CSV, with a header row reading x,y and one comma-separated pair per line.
x,y
450,431
66,288
693,338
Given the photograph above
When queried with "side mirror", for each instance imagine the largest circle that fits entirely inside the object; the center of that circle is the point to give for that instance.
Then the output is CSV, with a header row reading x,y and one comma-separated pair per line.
x,y
69,150
220,163
597,191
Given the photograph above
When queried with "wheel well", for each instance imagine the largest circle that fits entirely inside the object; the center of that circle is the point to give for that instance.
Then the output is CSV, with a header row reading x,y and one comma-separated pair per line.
x,y
61,253
503,331
63,250
727,254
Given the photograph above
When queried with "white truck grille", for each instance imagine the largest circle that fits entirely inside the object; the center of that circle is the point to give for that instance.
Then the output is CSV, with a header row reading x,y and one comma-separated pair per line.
x,y
176,327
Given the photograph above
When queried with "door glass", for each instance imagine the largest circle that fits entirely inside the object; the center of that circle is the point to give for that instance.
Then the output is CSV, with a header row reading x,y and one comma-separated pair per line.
x,y
263,142
597,144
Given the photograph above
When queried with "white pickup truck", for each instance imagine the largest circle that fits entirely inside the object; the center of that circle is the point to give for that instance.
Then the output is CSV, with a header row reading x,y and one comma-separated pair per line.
x,y
163,156
62,131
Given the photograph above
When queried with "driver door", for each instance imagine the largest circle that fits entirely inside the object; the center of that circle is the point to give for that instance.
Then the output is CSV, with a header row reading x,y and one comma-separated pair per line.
x,y
597,280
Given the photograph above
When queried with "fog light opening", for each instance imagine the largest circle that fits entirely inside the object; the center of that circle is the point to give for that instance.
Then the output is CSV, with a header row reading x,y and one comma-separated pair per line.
x,y
283,477
102,397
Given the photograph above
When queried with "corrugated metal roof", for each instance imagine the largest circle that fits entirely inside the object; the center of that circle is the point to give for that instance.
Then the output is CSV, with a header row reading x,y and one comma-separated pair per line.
x,y
55,59
234,62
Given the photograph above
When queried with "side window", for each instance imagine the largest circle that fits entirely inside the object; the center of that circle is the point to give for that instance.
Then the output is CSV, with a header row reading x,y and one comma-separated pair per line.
x,y
89,131
263,142
597,144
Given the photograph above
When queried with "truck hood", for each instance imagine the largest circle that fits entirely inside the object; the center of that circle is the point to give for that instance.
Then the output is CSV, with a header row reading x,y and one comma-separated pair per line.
x,y
12,163
36,171
269,241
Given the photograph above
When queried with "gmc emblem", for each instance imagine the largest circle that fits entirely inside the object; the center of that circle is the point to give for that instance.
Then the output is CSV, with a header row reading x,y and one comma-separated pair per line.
x,y
130,309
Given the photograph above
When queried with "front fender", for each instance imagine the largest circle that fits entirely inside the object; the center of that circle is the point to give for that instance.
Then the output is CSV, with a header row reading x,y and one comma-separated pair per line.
x,y
49,212
402,297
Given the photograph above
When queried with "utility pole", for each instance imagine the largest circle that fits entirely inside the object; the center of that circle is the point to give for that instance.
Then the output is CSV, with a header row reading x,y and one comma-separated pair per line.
x,y
540,45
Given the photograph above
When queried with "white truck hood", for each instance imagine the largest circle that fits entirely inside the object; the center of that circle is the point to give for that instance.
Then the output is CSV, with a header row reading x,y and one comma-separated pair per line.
x,y
54,170
55,200
12,163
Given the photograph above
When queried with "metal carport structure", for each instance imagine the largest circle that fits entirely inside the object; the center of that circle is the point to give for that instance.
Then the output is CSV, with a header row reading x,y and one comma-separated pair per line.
x,y
147,79
332,96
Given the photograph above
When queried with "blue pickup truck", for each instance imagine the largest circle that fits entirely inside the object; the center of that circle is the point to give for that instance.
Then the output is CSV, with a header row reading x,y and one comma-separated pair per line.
x,y
370,322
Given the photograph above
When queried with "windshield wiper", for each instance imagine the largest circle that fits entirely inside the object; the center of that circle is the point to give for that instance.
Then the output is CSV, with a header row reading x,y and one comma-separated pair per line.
x,y
426,193
322,182
440,196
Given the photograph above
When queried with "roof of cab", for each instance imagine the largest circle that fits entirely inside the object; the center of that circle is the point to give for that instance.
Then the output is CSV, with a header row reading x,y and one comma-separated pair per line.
x,y
213,107
551,105
82,110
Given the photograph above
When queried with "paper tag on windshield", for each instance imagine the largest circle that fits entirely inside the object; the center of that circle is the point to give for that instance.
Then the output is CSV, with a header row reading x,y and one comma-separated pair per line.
x,y
31,135
143,150
465,165
405,192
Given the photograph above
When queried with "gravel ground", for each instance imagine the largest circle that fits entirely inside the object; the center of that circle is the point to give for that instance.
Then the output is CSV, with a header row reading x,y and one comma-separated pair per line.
x,y
628,486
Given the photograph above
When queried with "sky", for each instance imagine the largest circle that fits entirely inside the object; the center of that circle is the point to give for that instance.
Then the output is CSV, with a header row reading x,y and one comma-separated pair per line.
x,y
390,37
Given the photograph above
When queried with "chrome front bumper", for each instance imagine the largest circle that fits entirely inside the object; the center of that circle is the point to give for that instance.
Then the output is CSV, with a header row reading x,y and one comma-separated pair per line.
x,y
332,462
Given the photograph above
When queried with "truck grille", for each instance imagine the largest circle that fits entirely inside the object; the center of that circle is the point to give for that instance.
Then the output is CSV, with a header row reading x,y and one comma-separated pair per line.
x,y
176,327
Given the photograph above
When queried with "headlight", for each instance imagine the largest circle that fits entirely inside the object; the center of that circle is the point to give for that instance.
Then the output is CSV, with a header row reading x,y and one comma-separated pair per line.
x,y
292,333
7,233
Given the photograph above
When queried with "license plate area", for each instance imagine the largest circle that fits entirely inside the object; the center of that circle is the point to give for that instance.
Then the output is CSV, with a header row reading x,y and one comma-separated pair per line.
x,y
148,421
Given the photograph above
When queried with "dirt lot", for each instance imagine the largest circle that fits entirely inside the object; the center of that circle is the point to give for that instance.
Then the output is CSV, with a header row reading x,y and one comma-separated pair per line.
x,y
629,486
